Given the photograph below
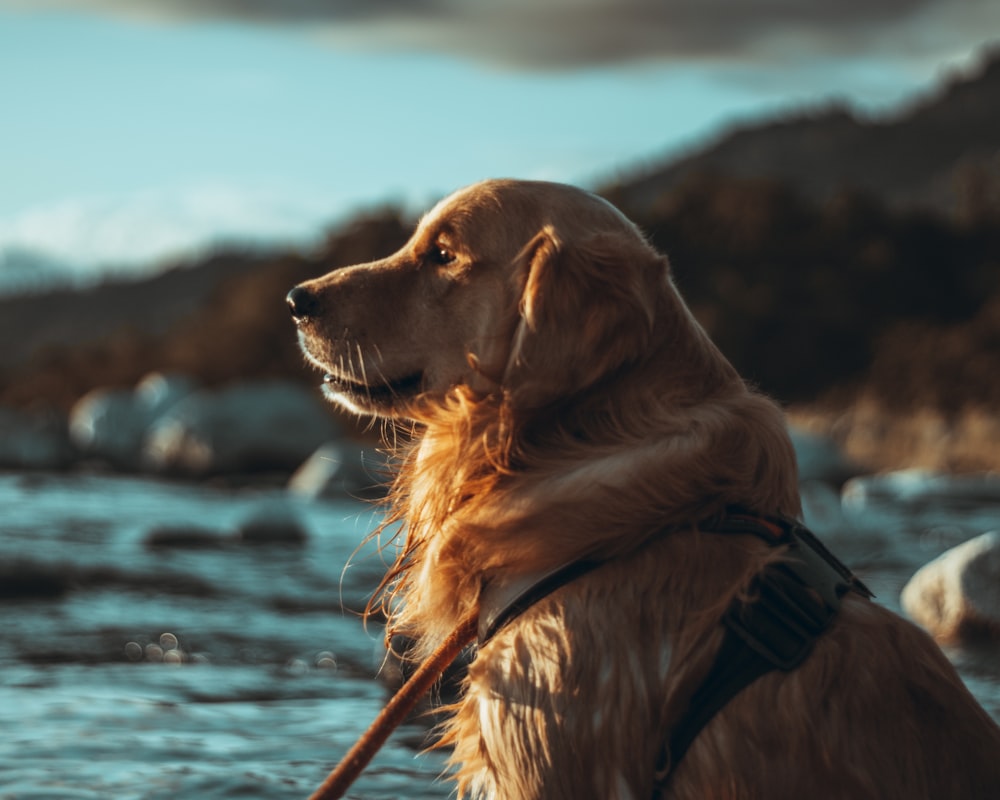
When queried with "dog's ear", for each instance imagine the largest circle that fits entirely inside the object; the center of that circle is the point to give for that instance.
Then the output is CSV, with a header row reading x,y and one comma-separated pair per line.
x,y
587,307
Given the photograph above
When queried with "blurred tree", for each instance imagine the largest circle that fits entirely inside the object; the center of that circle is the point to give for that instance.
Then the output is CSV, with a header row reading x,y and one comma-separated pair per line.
x,y
797,293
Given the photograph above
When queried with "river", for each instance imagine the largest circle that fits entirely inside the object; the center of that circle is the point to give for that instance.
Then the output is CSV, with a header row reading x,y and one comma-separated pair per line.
x,y
147,651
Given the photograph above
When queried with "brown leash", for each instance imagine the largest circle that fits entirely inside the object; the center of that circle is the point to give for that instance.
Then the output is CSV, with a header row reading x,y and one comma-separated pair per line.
x,y
395,711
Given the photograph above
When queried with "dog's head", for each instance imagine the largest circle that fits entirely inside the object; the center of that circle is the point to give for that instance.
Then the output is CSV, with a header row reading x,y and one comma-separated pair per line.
x,y
524,290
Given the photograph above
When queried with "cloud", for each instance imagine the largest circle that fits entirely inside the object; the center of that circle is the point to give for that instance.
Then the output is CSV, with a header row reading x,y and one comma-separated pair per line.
x,y
575,33
102,231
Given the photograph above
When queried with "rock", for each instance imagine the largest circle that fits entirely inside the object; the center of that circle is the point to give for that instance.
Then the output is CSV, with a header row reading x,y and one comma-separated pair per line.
x,y
957,595
917,489
337,469
272,523
35,441
111,424
821,509
185,537
820,459
105,424
240,429
26,580
158,392
167,426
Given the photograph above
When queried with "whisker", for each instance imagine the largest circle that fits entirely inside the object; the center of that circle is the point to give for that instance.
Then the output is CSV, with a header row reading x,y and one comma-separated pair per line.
x,y
361,363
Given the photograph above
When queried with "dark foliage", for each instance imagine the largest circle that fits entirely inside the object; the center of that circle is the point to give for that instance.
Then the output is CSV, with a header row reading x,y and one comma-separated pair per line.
x,y
803,297
815,290
800,295
225,324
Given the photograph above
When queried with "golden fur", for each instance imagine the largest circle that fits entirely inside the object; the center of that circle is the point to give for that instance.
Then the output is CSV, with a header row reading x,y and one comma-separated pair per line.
x,y
566,404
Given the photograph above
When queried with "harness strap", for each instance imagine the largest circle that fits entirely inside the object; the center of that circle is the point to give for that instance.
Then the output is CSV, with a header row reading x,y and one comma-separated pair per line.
x,y
502,601
793,603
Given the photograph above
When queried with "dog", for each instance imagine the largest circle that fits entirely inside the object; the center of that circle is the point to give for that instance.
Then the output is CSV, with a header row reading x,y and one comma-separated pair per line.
x,y
566,408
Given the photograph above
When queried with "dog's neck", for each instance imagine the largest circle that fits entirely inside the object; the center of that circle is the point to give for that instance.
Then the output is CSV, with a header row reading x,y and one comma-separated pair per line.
x,y
476,507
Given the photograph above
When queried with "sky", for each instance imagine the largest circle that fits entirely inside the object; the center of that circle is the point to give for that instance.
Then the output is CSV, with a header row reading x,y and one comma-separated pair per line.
x,y
133,131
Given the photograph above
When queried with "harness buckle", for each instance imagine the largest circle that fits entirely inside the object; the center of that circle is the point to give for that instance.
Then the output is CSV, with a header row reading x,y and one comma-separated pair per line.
x,y
783,620
792,601
789,605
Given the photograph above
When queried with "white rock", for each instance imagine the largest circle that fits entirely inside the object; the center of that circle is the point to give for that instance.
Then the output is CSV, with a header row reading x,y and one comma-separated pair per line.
x,y
820,459
821,509
243,428
34,441
916,488
107,424
339,468
111,424
958,594
157,392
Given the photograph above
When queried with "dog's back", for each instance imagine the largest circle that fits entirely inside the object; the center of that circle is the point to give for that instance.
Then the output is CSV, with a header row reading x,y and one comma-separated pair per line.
x,y
577,697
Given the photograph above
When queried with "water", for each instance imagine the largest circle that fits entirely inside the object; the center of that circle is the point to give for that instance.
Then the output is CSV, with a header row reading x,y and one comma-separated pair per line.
x,y
219,671
214,668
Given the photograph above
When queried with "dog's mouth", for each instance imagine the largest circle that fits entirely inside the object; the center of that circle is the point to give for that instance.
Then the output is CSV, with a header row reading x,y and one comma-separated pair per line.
x,y
372,397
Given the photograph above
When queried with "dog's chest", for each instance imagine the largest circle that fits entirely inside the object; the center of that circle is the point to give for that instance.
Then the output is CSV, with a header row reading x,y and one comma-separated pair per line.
x,y
561,713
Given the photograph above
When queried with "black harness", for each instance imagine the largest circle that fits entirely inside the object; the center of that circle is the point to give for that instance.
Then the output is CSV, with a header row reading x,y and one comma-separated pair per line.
x,y
790,604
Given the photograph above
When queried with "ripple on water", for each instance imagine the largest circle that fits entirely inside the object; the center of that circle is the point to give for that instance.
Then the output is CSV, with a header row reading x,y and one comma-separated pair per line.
x,y
223,671
120,731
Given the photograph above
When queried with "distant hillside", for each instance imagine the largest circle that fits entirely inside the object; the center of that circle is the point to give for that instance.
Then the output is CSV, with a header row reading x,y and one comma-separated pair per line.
x,y
23,270
68,317
219,320
941,154
822,254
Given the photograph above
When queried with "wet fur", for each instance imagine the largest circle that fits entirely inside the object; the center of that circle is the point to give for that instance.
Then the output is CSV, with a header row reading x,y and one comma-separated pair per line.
x,y
565,403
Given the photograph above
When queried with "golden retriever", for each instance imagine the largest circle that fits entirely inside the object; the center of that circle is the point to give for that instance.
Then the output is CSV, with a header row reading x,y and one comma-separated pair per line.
x,y
566,405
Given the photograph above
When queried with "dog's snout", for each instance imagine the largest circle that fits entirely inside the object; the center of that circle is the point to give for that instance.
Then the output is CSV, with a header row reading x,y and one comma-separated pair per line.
x,y
302,303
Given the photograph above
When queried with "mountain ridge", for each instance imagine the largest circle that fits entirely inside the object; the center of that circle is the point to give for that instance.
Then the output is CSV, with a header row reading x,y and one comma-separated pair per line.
x,y
923,156
800,278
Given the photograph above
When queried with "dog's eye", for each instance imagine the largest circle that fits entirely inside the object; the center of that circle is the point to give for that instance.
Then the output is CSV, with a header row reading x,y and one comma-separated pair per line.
x,y
440,255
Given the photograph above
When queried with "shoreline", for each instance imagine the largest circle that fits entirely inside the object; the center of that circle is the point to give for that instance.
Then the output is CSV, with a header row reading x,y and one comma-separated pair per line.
x,y
880,439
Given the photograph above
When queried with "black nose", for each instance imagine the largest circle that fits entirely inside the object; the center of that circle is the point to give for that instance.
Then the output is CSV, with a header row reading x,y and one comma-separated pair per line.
x,y
302,303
